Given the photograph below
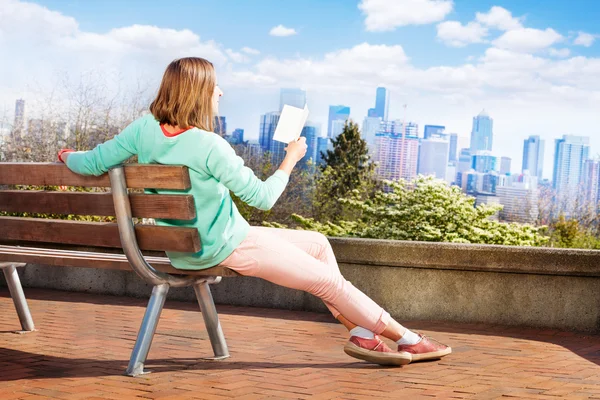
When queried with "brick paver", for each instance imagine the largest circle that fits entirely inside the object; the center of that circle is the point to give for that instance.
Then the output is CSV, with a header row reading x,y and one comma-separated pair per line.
x,y
83,343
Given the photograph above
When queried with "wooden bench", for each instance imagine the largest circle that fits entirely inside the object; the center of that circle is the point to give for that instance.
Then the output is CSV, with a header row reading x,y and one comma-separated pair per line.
x,y
57,242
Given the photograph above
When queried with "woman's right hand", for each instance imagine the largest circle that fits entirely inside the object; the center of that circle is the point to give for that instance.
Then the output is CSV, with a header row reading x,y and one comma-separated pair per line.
x,y
297,150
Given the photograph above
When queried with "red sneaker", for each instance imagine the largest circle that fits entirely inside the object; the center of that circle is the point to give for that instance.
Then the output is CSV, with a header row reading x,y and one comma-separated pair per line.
x,y
375,351
426,349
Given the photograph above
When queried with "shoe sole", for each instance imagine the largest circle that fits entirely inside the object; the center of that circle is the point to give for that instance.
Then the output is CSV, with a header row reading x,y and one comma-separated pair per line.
x,y
377,357
434,355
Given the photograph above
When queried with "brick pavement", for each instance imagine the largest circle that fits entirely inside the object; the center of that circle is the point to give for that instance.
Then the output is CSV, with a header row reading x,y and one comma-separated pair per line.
x,y
83,343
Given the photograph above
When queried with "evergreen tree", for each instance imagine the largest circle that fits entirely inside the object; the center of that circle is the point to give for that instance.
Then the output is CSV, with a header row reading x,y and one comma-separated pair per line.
x,y
347,173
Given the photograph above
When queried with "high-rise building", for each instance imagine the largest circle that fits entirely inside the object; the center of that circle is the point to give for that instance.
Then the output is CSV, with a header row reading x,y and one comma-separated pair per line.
x,y
252,149
338,115
569,156
484,161
433,157
433,131
533,156
310,133
520,199
591,181
396,127
453,147
370,127
464,160
19,124
382,103
323,144
482,133
397,156
268,123
451,174
505,163
292,97
277,150
490,182
220,127
237,136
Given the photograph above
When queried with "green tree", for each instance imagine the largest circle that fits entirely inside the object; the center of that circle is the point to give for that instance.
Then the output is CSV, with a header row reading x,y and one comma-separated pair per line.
x,y
348,171
569,233
426,209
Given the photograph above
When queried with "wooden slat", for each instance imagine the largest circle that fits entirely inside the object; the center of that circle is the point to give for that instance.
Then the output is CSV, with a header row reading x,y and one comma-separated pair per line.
x,y
149,237
63,258
81,203
139,176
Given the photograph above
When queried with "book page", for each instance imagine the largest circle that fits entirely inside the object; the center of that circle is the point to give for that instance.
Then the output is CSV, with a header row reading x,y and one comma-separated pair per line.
x,y
290,123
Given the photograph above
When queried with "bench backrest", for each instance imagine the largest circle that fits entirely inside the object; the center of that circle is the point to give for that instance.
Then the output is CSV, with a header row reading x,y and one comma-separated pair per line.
x,y
95,234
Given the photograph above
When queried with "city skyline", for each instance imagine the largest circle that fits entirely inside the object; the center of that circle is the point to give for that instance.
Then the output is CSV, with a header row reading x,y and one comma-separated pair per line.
x,y
532,66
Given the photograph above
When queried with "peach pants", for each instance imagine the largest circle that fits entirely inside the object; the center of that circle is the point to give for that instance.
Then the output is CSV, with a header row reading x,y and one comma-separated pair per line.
x,y
304,260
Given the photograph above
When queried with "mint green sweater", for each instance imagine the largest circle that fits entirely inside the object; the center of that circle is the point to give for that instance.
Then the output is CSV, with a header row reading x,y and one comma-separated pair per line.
x,y
214,169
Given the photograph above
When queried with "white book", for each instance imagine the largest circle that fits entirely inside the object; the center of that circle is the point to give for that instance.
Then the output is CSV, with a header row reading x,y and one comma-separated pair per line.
x,y
290,123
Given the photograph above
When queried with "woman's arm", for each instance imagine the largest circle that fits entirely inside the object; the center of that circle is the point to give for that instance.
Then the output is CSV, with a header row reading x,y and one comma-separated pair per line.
x,y
229,169
105,155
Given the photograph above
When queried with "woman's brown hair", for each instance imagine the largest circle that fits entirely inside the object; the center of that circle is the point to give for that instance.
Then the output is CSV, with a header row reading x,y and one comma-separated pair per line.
x,y
184,98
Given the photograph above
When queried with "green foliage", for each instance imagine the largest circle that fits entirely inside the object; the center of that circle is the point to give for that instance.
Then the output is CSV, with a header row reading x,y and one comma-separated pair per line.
x,y
347,172
569,233
426,209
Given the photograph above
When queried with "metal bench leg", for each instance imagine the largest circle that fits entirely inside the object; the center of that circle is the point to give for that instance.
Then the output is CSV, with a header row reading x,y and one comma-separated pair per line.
x,y
211,320
146,333
16,292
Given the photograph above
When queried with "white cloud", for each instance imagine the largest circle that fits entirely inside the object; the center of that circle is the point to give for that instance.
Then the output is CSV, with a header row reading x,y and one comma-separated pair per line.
x,y
251,51
236,56
333,70
34,21
560,53
528,39
584,39
499,18
386,15
281,30
455,34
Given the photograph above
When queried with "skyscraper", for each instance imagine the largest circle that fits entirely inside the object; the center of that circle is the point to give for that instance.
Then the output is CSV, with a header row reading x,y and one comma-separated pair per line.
x,y
310,133
397,127
19,124
370,127
482,133
464,160
533,156
569,156
505,163
268,123
484,161
433,131
323,144
396,156
453,147
292,97
237,136
433,157
220,127
591,181
382,103
337,118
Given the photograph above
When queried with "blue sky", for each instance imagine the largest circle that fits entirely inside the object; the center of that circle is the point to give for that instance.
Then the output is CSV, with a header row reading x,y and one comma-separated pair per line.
x,y
534,66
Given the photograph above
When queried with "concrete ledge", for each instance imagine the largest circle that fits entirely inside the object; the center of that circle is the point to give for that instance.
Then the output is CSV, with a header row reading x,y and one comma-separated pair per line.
x,y
468,257
525,286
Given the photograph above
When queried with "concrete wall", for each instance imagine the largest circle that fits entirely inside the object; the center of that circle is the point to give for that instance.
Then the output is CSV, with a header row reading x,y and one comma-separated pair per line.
x,y
538,287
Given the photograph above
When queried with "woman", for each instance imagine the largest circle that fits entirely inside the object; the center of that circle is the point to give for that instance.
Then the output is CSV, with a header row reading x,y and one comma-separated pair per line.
x,y
178,131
